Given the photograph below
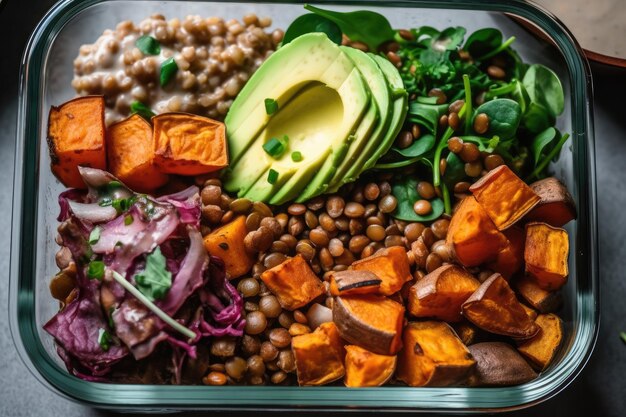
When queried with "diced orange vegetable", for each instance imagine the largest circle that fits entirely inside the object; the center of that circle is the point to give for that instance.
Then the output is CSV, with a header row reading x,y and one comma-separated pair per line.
x,y
546,254
494,308
76,137
367,369
353,282
472,234
391,265
556,206
541,349
433,355
319,356
511,258
499,364
466,331
226,242
504,196
130,150
530,312
187,144
370,321
543,300
293,282
441,293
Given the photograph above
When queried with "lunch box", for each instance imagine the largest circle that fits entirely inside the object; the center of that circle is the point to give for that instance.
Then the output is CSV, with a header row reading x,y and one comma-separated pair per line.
x,y
46,77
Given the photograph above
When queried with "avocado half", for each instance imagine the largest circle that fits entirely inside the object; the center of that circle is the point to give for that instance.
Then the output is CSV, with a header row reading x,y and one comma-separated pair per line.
x,y
335,106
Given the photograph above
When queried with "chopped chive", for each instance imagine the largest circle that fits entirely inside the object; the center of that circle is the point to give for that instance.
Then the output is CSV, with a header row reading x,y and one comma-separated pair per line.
x,y
123,204
271,106
296,156
128,219
148,45
95,270
104,339
275,147
272,176
94,236
137,107
168,71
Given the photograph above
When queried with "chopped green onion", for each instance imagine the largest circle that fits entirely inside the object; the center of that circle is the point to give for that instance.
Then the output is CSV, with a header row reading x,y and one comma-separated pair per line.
x,y
271,106
137,107
296,156
128,219
104,339
148,45
95,270
123,204
94,236
275,147
272,176
168,71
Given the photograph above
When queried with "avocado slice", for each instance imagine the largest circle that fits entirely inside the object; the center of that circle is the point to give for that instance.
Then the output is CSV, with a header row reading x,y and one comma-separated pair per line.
x,y
305,59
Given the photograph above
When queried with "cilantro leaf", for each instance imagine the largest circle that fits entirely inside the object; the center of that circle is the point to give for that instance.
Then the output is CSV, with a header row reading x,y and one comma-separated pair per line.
x,y
155,281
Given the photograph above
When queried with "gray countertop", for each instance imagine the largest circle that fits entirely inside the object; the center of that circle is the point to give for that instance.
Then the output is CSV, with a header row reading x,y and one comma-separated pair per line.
x,y
600,390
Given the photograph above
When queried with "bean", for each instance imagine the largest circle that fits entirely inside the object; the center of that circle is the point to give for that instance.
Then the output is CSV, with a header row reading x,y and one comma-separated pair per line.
x,y
496,72
470,152
443,122
236,367
212,213
393,229
214,378
394,241
443,164
327,223
285,319
310,219
227,217
278,377
240,205
305,249
269,306
297,329
387,204
493,161
286,361
211,194
481,123
250,306
455,144
280,338
316,203
326,259
358,243
250,345
385,188
257,270
375,232
263,238
354,210
420,251
461,187
255,322
422,207
437,92
406,34
335,206
394,58
282,219
426,190
356,226
255,365
454,121
295,226
335,247
289,240
278,246
300,317
253,221
456,106
442,250
296,209
274,259
248,287
268,351
440,228
433,261
404,139
473,169
412,231
371,192
223,346
428,237
415,131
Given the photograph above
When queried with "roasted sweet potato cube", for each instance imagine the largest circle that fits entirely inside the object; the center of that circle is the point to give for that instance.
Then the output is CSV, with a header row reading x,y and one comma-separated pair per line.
x,y
541,349
546,253
441,293
391,265
354,282
499,364
319,356
556,207
543,300
130,150
504,196
530,312
367,369
472,234
76,137
370,321
510,259
433,355
293,282
187,144
466,331
227,243
494,308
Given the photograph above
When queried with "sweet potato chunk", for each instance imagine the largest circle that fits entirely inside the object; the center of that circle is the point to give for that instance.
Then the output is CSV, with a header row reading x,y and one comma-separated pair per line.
x,y
511,258
546,254
187,144
130,151
433,355
391,265
504,196
441,293
466,331
354,282
543,300
499,364
227,243
319,356
76,137
293,282
370,321
472,234
541,349
494,308
367,369
556,206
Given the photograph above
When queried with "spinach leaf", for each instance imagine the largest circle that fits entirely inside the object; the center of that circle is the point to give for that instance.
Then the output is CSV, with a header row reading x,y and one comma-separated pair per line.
x,y
504,117
155,281
418,148
312,22
484,144
426,115
371,28
541,141
520,95
544,87
449,39
405,191
537,118
483,41
455,170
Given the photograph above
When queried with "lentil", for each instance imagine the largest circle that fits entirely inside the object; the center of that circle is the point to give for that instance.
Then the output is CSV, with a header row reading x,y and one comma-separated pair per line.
x,y
280,338
387,204
493,161
214,378
481,123
255,322
248,287
269,306
236,367
470,152
422,207
335,206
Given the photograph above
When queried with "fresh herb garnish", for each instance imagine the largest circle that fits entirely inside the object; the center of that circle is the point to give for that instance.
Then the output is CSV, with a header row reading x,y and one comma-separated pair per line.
x,y
296,156
168,71
128,219
95,270
148,45
276,147
312,23
123,204
137,107
272,176
94,236
271,106
104,339
155,281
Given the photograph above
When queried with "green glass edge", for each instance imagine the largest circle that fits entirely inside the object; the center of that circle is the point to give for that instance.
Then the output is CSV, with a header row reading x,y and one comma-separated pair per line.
x,y
22,297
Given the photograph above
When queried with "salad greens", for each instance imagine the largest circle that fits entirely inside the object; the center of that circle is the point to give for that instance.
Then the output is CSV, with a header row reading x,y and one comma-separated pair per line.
x,y
155,281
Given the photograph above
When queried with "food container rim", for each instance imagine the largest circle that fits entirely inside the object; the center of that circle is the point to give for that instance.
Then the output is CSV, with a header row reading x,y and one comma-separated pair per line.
x,y
398,399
